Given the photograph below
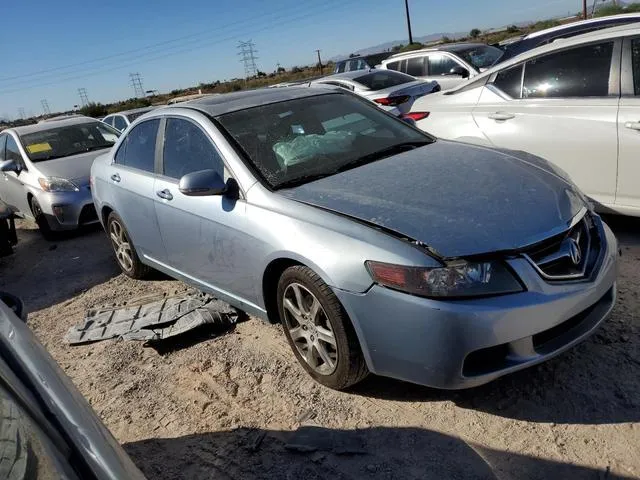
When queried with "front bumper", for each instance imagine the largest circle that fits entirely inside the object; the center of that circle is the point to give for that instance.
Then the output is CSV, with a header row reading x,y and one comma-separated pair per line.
x,y
68,210
465,343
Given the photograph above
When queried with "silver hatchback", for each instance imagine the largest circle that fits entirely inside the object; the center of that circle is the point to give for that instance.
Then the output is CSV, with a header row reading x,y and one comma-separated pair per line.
x,y
379,248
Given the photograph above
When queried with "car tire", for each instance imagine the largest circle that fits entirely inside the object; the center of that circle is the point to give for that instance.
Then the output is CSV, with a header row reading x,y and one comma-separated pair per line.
x,y
320,334
123,249
41,221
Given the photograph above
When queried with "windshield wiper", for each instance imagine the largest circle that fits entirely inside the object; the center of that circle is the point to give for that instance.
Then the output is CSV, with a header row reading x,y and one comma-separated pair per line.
x,y
384,153
98,147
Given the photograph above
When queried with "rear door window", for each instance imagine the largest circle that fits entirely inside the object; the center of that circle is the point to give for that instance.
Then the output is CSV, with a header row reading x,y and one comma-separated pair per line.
x,y
138,149
416,66
576,72
3,143
635,62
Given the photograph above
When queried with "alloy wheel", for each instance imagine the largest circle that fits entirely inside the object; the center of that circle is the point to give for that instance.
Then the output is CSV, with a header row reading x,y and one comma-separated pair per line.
x,y
310,329
121,245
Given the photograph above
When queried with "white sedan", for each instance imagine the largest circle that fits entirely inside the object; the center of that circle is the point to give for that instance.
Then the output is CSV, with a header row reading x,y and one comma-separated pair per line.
x,y
393,91
575,102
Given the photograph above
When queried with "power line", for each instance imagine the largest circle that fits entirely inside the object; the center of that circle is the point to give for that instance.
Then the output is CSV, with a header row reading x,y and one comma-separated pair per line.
x,y
248,58
45,106
136,83
84,98
139,61
162,46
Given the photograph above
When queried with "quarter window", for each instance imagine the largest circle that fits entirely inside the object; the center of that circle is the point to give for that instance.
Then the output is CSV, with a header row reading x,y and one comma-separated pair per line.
x,y
187,149
395,66
635,61
577,72
510,81
441,65
138,150
108,120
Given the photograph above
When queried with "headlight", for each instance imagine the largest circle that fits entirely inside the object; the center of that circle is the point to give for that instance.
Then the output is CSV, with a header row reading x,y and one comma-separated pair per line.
x,y
55,184
456,280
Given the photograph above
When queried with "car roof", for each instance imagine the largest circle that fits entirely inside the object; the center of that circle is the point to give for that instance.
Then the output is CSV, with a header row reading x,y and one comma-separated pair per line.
x,y
353,74
38,127
604,34
447,47
133,110
567,26
232,102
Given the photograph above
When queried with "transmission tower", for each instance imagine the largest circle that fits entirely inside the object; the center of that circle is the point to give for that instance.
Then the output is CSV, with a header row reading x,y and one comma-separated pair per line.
x,y
84,98
248,58
45,106
136,83
21,112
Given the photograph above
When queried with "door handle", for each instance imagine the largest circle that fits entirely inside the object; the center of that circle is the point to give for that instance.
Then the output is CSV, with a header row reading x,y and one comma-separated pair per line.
x,y
501,116
632,125
115,177
165,194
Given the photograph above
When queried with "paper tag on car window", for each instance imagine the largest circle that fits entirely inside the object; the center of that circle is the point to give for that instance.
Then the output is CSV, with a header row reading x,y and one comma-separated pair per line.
x,y
39,148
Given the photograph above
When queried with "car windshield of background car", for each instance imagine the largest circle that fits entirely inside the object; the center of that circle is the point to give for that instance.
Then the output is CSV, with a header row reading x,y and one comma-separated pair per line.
x,y
481,56
68,140
296,141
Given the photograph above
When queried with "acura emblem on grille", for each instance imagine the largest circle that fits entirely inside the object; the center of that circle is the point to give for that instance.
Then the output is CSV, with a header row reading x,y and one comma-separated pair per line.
x,y
574,251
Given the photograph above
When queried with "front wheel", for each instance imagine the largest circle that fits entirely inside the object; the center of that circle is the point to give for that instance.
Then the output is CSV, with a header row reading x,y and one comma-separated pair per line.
x,y
319,330
41,221
124,250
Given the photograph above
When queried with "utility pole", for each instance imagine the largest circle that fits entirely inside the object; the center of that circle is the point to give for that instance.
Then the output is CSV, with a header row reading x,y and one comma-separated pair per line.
x,y
84,98
584,9
406,6
45,106
21,112
278,68
248,58
136,83
319,62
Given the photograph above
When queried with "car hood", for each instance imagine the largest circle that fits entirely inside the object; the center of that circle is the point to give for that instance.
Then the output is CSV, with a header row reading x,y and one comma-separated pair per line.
x,y
72,168
458,199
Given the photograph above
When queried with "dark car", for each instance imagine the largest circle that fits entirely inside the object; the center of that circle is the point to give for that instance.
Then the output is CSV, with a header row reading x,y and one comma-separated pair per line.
x,y
543,37
47,429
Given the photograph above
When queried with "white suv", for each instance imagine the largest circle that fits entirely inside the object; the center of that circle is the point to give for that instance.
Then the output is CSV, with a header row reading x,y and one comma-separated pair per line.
x,y
575,102
449,64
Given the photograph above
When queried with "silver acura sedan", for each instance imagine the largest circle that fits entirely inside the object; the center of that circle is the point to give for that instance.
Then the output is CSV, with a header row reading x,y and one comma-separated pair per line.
x,y
379,248
44,171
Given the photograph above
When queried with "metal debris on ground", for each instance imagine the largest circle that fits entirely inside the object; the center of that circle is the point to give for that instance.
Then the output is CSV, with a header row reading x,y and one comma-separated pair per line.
x,y
153,321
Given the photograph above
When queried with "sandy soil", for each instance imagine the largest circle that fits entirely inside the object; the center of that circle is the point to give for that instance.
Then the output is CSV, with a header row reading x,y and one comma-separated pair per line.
x,y
238,406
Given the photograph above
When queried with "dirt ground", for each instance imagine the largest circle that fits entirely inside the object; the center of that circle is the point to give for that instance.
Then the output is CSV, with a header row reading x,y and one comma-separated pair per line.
x,y
238,406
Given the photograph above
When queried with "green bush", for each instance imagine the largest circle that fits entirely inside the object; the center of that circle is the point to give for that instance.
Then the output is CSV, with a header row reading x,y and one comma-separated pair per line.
x,y
94,110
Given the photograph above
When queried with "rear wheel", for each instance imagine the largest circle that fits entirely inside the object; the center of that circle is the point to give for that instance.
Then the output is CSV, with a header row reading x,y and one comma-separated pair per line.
x,y
41,220
124,250
319,330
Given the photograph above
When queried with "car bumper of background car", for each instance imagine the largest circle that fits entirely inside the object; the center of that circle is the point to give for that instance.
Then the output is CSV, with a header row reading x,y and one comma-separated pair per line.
x,y
68,210
465,343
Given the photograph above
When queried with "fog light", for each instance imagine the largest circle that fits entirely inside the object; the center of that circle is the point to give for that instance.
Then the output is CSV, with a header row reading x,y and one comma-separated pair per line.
x,y
59,213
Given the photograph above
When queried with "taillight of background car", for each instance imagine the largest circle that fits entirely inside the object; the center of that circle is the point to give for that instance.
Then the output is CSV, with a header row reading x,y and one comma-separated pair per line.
x,y
415,115
392,101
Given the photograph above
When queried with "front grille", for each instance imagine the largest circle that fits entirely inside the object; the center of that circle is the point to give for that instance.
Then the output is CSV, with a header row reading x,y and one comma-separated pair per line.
x,y
571,255
88,214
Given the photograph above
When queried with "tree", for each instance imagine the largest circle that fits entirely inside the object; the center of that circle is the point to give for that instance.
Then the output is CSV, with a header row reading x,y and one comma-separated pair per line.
x,y
281,70
397,48
261,74
94,110
513,29
445,39
475,33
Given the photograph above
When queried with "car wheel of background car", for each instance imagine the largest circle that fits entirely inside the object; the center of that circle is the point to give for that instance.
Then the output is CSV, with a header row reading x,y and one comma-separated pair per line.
x,y
319,330
124,250
41,220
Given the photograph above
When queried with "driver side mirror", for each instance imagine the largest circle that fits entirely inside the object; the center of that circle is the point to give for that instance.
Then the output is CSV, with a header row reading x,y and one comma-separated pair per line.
x,y
202,183
459,70
10,166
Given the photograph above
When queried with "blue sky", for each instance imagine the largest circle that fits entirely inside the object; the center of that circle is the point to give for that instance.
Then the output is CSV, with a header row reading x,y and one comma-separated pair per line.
x,y
52,48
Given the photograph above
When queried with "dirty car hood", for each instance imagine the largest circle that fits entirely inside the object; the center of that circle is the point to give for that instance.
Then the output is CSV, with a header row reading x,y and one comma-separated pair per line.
x,y
73,167
458,199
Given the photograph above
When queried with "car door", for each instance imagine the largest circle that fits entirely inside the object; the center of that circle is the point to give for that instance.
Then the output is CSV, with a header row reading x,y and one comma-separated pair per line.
x,y
132,175
203,236
13,191
628,192
561,106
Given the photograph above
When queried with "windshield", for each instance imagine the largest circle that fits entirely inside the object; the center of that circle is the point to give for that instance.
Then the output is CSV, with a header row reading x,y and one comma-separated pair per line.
x,y
481,56
68,140
381,79
296,141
